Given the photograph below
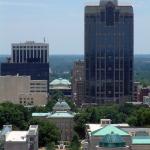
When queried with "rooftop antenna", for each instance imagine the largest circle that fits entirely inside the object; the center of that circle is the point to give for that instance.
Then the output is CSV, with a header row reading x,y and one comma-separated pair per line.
x,y
44,40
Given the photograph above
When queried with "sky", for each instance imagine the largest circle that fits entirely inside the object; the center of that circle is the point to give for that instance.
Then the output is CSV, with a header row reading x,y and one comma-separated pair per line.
x,y
61,22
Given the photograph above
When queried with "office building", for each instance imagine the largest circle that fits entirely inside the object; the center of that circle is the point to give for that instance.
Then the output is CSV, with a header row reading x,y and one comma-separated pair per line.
x,y
78,82
109,53
19,140
29,59
30,52
23,90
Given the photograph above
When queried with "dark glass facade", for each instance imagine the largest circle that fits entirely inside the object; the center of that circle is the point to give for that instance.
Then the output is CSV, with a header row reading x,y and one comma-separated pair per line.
x,y
38,71
109,53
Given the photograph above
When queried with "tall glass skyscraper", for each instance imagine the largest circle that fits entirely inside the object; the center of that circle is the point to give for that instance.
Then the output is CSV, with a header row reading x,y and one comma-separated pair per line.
x,y
109,44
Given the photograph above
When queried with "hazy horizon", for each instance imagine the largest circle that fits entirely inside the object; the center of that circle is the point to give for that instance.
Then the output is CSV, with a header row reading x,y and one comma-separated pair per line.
x,y
61,23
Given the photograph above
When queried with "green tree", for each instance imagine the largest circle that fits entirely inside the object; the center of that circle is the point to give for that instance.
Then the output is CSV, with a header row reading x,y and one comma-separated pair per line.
x,y
75,143
48,133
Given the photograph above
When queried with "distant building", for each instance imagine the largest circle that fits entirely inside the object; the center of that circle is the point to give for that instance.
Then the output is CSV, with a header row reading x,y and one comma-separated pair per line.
x,y
109,45
122,137
144,92
146,100
136,91
62,117
78,82
23,90
19,140
61,85
30,59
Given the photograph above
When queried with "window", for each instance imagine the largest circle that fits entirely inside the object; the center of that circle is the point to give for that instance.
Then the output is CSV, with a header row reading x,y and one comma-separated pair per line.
x,y
109,16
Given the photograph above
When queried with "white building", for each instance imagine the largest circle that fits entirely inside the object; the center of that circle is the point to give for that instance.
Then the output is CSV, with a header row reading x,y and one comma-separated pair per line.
x,y
19,140
30,52
23,90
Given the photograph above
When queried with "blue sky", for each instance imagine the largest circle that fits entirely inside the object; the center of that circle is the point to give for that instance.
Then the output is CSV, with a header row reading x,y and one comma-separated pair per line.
x,y
61,22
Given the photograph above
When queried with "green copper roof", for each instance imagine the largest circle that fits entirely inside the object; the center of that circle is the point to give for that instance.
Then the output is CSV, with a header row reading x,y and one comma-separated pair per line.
x,y
60,81
108,130
141,140
40,114
61,114
61,106
112,140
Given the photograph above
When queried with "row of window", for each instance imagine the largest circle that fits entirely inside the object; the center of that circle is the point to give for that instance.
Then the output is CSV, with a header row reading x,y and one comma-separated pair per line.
x,y
17,47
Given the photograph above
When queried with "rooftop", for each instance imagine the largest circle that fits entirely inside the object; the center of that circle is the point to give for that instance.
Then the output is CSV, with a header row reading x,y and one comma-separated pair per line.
x,y
61,114
141,140
61,105
108,130
16,136
40,114
93,127
60,81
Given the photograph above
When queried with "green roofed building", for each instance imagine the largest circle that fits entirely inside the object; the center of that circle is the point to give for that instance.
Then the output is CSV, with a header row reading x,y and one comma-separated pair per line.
x,y
62,85
62,117
141,143
108,136
112,142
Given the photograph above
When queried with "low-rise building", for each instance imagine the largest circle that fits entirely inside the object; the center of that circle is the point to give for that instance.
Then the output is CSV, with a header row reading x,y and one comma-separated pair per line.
x,y
62,85
19,140
146,100
62,117
133,138
23,90
112,142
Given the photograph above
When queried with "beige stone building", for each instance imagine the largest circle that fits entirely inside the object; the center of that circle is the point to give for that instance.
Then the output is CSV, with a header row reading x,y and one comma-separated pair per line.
x,y
23,90
62,117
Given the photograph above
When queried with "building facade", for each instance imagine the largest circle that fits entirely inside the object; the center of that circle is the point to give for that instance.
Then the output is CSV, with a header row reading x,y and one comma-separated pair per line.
x,y
62,117
30,59
22,90
98,137
19,140
78,82
109,52
61,85
30,52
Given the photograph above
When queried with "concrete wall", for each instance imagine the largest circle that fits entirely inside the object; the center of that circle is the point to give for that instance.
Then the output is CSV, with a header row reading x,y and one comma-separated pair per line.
x,y
140,147
16,146
117,148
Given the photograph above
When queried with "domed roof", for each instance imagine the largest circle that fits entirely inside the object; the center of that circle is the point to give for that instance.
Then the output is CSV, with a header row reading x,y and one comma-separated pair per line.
x,y
104,2
61,106
112,140
60,81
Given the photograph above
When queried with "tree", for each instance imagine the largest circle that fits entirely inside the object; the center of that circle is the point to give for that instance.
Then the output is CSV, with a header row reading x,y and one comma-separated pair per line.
x,y
17,115
48,133
75,143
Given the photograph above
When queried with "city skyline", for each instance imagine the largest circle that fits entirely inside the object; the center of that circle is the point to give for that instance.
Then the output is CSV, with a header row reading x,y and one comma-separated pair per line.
x,y
61,23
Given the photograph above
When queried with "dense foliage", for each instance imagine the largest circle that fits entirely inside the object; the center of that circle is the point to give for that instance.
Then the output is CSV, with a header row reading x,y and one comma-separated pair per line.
x,y
20,118
127,113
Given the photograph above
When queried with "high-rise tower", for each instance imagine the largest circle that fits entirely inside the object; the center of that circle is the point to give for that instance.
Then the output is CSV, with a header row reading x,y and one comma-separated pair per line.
x,y
109,52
